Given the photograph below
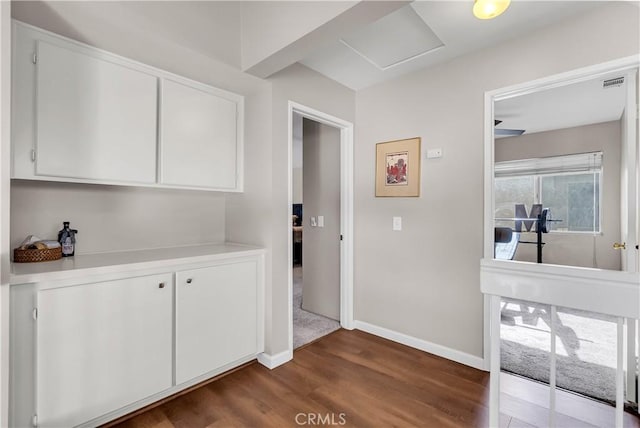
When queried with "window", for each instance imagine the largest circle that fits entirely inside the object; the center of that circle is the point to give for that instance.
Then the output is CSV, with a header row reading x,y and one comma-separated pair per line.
x,y
568,185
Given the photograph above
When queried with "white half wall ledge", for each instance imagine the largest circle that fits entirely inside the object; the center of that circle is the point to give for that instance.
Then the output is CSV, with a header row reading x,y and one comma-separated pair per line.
x,y
423,345
276,360
568,286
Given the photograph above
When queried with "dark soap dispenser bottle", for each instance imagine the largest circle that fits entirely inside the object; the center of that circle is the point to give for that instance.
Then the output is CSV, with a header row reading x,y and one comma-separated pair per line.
x,y
67,239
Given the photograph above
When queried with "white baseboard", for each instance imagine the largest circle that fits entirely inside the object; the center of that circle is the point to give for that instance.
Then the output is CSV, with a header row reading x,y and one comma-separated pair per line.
x,y
273,361
423,345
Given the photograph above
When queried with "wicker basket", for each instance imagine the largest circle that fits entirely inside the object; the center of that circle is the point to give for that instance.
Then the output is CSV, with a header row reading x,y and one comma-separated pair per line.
x,y
30,256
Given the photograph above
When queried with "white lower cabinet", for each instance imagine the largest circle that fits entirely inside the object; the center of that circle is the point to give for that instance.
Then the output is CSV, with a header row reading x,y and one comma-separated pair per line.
x,y
88,349
216,310
102,346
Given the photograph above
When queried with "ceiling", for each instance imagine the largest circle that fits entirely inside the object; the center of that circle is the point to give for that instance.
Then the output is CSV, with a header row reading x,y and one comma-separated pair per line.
x,y
568,106
387,48
356,47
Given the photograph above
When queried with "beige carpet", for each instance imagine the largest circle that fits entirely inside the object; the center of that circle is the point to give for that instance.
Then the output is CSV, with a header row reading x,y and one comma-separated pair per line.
x,y
585,347
307,326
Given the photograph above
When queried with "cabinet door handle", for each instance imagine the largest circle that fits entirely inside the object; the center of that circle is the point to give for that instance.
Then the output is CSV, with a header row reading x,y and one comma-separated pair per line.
x,y
161,285
189,280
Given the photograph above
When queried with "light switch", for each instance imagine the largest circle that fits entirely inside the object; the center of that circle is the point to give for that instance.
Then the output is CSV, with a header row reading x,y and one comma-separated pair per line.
x,y
434,153
320,221
313,222
397,223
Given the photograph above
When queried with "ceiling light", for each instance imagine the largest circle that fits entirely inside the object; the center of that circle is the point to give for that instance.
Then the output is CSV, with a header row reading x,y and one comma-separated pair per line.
x,y
487,9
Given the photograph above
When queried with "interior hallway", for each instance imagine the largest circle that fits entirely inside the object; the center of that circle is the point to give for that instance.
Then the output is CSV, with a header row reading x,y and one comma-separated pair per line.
x,y
373,382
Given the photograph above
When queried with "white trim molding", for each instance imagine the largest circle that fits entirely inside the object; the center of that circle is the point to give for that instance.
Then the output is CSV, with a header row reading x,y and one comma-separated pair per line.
x,y
423,345
346,211
273,361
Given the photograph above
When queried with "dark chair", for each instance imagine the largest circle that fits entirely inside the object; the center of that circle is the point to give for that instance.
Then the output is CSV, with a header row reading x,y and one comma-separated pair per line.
x,y
505,243
503,235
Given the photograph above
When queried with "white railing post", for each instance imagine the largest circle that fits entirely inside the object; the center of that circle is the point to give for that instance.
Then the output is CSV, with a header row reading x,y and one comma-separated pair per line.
x,y
630,360
620,374
552,370
494,383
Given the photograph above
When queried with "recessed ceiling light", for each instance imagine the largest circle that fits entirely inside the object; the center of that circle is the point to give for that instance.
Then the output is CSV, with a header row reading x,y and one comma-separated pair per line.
x,y
487,9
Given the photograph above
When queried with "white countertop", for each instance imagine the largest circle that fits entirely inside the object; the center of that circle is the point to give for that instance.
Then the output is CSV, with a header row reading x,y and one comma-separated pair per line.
x,y
104,263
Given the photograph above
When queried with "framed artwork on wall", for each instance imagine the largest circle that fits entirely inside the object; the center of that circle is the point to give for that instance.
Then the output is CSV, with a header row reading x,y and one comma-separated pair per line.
x,y
398,168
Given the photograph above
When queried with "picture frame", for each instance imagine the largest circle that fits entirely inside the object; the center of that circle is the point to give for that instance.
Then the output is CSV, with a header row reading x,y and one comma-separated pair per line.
x,y
398,168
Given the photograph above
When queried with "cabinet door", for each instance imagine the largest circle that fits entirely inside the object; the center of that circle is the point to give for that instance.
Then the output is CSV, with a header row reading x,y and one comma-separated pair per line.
x,y
216,315
198,137
102,346
95,119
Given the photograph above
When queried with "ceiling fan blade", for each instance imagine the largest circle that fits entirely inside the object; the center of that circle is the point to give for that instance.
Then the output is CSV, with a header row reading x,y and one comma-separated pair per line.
x,y
508,132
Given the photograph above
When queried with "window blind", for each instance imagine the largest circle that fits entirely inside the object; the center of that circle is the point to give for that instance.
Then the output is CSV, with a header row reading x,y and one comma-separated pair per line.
x,y
581,162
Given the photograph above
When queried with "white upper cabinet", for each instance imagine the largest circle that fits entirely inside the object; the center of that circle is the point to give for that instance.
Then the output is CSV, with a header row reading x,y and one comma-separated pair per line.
x,y
95,119
84,115
198,137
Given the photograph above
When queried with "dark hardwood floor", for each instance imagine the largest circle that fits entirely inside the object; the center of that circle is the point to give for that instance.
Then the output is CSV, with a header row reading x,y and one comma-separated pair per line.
x,y
351,378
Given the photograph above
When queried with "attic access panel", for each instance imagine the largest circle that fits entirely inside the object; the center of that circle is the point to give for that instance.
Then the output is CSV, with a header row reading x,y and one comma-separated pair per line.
x,y
394,39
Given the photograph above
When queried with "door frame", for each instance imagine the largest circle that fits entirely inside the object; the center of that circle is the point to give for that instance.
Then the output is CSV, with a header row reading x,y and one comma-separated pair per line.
x,y
627,66
629,181
346,211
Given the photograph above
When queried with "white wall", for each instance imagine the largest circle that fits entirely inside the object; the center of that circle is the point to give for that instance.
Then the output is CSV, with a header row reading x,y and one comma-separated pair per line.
x,y
424,281
209,28
304,86
115,26
248,214
5,254
5,141
566,248
268,27
262,215
112,218
147,217
321,245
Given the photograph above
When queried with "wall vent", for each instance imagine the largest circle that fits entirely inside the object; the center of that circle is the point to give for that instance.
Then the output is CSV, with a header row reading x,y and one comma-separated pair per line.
x,y
618,81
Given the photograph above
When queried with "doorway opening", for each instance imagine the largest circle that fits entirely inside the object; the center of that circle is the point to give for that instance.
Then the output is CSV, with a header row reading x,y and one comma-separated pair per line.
x,y
321,218
316,230
561,192
559,151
